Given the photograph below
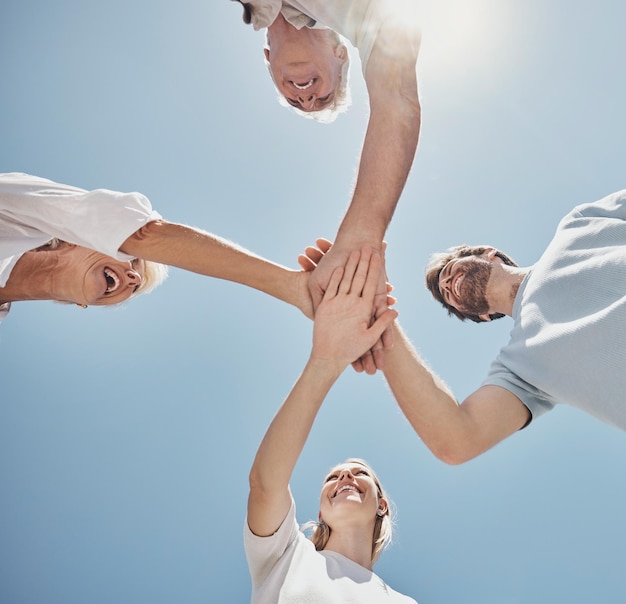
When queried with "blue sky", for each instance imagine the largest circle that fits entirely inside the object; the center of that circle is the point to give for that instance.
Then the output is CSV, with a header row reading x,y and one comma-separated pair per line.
x,y
126,435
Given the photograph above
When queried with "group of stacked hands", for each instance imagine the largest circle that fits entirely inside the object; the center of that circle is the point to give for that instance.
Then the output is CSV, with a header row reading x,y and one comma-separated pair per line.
x,y
101,247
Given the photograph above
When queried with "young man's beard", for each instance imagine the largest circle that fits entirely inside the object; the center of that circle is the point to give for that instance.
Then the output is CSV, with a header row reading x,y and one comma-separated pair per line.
x,y
474,288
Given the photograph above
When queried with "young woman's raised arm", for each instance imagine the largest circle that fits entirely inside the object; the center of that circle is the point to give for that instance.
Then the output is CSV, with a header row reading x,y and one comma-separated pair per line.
x,y
340,335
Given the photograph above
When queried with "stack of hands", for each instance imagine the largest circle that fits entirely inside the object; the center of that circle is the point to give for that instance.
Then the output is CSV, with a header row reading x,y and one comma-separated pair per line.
x,y
322,262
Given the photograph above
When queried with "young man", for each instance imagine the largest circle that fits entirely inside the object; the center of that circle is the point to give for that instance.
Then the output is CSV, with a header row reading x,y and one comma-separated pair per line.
x,y
567,345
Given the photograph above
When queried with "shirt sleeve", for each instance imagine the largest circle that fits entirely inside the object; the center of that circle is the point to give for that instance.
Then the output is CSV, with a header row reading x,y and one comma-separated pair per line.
x,y
533,398
611,206
263,553
100,220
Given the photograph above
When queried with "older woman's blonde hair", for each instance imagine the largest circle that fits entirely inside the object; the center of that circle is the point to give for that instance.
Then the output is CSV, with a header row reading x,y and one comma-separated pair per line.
x,y
383,527
154,273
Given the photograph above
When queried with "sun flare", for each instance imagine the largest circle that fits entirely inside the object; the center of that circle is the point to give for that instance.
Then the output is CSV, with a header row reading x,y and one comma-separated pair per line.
x,y
460,37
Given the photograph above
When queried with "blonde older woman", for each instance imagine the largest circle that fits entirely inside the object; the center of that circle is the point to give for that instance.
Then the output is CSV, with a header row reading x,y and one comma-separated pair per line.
x,y
101,247
354,524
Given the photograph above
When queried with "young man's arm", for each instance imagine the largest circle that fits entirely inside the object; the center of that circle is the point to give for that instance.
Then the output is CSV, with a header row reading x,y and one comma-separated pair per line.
x,y
201,252
454,432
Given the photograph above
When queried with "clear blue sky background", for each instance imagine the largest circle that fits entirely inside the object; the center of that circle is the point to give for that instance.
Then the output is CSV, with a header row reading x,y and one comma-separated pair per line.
x,y
126,435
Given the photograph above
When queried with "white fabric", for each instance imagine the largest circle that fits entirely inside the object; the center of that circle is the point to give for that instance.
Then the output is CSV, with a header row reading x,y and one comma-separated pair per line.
x,y
4,310
357,20
286,569
34,210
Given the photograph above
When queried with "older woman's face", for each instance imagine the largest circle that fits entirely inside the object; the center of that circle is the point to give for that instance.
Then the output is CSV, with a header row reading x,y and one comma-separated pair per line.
x,y
96,279
349,494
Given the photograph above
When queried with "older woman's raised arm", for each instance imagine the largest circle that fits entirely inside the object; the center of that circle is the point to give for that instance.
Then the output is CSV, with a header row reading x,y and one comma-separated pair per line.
x,y
207,254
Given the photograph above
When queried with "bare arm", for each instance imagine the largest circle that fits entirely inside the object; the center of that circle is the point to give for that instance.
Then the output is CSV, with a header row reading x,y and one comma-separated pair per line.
x,y
201,252
454,432
390,141
388,151
341,333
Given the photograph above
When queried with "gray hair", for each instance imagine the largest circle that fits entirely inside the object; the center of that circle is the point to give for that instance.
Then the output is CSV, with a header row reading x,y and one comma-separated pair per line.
x,y
343,98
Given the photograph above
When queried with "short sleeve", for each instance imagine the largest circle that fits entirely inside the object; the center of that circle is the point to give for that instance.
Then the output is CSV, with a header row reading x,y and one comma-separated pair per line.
x,y
263,553
531,397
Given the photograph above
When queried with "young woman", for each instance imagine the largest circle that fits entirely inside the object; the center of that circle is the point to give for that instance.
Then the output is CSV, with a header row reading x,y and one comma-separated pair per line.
x,y
354,523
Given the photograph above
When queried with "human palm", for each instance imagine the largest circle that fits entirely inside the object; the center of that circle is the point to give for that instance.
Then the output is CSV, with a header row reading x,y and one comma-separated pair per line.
x,y
342,331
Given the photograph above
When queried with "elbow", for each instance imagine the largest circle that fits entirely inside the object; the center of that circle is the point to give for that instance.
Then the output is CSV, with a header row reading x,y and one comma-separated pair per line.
x,y
452,454
140,240
150,229
412,104
452,459
254,479
257,482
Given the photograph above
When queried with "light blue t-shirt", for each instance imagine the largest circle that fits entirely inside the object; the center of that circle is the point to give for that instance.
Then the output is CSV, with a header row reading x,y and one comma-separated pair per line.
x,y
34,210
568,343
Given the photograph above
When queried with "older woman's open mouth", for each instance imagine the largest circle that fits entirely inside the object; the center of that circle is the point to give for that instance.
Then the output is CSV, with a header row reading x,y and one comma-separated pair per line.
x,y
113,281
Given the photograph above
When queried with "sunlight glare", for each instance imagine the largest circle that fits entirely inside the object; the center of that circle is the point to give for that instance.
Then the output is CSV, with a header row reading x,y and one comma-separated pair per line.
x,y
462,39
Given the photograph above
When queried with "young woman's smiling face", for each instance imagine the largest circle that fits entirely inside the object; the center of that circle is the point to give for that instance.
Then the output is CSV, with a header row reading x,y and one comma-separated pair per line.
x,y
349,492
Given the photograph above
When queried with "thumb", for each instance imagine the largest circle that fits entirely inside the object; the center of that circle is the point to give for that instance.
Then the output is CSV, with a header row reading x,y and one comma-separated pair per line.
x,y
383,322
317,293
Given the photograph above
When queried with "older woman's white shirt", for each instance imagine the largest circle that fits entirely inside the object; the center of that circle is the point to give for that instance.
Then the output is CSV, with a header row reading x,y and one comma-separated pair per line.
x,y
286,569
34,210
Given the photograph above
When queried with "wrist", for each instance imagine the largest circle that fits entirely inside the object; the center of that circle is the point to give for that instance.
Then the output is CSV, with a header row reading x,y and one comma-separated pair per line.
x,y
324,368
354,238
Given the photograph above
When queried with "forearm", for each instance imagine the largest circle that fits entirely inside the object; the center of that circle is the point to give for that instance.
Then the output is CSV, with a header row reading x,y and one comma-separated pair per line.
x,y
426,401
454,432
201,252
388,149
287,434
268,501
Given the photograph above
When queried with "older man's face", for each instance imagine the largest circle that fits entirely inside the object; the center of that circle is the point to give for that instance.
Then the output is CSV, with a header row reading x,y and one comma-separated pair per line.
x,y
307,74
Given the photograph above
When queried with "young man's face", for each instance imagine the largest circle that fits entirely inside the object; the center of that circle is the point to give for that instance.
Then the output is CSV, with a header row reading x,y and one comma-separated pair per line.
x,y
463,284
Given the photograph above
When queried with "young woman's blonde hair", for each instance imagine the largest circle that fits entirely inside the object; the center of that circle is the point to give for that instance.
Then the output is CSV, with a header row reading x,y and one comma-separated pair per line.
x,y
383,527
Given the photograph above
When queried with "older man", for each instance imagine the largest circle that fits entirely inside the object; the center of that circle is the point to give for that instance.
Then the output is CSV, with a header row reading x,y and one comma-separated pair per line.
x,y
308,63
